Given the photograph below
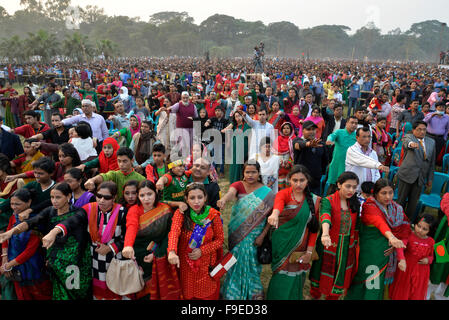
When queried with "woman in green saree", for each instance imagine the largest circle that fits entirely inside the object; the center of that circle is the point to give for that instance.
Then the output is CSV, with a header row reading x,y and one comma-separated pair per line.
x,y
295,217
383,226
247,230
236,130
332,273
68,257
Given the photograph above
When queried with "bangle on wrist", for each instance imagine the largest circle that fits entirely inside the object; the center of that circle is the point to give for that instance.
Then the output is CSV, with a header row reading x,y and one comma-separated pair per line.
x,y
309,252
4,254
7,270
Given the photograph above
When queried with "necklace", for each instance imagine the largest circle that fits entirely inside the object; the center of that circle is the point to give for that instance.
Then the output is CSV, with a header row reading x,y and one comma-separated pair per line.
x,y
295,199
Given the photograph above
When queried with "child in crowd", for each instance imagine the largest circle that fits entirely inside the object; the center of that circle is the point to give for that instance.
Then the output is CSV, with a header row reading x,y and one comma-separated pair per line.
x,y
158,167
412,276
367,192
173,185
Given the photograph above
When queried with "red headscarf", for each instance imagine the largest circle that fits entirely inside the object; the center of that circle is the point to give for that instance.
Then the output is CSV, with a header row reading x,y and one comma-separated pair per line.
x,y
109,164
284,144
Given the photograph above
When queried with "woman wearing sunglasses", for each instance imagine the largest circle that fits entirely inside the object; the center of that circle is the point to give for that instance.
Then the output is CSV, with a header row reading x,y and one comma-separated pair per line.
x,y
106,222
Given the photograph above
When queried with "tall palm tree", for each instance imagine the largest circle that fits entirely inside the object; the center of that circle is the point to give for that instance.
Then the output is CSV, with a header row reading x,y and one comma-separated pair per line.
x,y
42,44
107,48
77,47
14,49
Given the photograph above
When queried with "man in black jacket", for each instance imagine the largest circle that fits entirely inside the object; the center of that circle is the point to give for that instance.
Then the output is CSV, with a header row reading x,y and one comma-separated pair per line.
x,y
311,153
333,118
10,144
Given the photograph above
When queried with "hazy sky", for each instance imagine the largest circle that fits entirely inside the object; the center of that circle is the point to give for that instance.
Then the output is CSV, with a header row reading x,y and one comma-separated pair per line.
x,y
387,15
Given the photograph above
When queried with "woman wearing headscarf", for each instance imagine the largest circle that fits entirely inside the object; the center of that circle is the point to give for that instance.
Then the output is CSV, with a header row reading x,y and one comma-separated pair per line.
x,y
384,227
107,160
316,118
283,147
125,98
142,145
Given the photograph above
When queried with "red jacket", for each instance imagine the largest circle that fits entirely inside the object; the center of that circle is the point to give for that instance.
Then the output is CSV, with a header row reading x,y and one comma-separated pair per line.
x,y
27,131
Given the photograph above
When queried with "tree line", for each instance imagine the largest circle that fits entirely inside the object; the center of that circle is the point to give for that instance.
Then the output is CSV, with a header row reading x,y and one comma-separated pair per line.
x,y
49,28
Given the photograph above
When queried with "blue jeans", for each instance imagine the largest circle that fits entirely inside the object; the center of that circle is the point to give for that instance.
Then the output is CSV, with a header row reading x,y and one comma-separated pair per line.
x,y
353,102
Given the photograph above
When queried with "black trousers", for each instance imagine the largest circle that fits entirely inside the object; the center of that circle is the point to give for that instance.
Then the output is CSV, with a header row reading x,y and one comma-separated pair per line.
x,y
408,197
439,143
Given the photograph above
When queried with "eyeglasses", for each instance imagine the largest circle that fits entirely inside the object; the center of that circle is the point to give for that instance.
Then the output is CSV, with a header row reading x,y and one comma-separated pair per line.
x,y
105,197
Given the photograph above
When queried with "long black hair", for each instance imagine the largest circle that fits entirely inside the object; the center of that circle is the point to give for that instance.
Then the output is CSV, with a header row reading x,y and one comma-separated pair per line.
x,y
70,151
5,165
313,224
354,203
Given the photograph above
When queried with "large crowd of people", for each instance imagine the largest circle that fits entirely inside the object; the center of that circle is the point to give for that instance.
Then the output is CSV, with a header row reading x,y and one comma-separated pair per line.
x,y
327,162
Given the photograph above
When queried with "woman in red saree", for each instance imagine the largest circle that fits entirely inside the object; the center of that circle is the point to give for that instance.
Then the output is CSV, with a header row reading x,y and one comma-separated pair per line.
x,y
384,226
194,240
147,226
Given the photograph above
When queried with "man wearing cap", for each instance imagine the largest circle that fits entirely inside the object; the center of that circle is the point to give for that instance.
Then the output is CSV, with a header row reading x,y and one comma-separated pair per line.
x,y
362,160
185,111
97,123
311,153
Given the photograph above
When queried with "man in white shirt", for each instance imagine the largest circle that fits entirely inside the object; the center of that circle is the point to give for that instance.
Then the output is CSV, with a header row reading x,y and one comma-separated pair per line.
x,y
362,160
260,129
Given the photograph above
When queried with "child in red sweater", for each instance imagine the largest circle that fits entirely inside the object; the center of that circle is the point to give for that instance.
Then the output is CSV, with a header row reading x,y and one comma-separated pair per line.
x,y
412,276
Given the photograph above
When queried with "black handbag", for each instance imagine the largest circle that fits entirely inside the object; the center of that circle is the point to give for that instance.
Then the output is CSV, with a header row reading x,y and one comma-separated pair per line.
x,y
15,275
264,255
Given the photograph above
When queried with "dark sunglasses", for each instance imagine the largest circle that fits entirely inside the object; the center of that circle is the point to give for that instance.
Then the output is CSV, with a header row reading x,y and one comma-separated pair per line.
x,y
106,197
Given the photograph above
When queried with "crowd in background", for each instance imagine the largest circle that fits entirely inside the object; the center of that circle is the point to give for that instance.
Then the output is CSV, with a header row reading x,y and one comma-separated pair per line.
x,y
101,163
